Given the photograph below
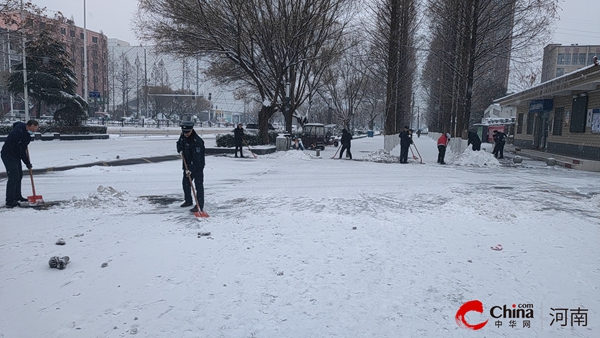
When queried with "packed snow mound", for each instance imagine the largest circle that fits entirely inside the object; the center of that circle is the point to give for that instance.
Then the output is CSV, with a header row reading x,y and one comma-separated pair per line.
x,y
475,159
297,154
106,198
381,155
596,201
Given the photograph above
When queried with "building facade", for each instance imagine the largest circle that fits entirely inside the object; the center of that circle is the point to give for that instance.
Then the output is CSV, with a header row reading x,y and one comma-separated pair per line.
x,y
562,115
72,37
559,60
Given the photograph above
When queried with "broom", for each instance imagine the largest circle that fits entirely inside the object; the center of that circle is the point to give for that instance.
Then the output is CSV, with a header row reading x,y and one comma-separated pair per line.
x,y
35,199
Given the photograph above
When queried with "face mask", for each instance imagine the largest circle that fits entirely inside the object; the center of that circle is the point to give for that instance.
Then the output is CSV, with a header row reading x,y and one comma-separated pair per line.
x,y
30,132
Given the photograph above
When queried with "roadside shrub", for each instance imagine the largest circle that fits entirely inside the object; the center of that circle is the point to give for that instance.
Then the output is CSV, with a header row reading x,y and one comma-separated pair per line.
x,y
226,140
67,130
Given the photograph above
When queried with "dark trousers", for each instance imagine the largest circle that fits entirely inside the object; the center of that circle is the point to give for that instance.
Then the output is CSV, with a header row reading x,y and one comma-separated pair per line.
x,y
499,150
476,146
404,153
198,178
14,172
441,154
347,149
239,146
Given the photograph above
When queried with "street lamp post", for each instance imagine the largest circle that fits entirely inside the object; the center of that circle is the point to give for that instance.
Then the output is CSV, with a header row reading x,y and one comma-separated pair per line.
x,y
85,59
25,88
286,106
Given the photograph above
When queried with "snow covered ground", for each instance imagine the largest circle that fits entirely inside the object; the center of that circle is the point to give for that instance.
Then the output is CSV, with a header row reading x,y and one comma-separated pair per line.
x,y
300,246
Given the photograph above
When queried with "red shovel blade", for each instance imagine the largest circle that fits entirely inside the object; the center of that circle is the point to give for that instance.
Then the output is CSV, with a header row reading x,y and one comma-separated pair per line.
x,y
35,199
201,214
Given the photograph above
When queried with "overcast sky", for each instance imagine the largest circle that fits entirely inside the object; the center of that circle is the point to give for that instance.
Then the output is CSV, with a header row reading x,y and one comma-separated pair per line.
x,y
578,24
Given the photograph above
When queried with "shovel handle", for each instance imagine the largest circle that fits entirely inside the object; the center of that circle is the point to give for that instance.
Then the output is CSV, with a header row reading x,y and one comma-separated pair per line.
x,y
30,171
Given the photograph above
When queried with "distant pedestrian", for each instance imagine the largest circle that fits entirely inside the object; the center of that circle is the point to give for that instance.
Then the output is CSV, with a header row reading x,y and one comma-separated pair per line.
x,y
418,133
191,148
346,143
474,139
442,143
238,139
13,152
499,141
405,142
298,144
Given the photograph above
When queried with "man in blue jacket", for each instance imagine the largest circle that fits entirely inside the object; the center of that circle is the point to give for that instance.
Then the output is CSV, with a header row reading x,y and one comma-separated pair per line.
x,y
14,151
191,147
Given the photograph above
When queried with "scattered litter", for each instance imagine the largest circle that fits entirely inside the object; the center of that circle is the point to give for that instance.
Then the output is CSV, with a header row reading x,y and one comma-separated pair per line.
x,y
104,265
497,247
58,262
60,241
200,234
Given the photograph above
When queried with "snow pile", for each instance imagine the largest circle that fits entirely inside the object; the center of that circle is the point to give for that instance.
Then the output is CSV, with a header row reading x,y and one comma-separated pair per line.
x,y
297,154
381,155
476,159
106,197
595,200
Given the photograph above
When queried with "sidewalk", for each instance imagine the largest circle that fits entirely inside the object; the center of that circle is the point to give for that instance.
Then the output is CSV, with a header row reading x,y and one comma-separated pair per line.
x,y
561,160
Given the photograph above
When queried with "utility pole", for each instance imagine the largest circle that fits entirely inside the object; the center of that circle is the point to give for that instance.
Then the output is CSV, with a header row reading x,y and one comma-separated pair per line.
x,y
25,88
85,59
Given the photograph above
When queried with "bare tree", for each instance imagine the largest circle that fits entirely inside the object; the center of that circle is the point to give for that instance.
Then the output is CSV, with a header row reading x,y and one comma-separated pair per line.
x,y
472,42
263,44
393,39
345,81
124,81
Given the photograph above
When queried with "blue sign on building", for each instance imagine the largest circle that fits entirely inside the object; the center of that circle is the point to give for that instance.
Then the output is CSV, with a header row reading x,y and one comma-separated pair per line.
x,y
539,106
95,94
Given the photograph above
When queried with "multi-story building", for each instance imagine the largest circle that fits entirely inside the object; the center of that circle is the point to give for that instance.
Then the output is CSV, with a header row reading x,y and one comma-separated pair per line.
x,y
559,60
72,37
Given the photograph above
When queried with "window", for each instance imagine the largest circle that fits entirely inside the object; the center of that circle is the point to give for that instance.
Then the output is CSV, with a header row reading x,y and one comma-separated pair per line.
x,y
63,31
560,71
520,124
530,117
72,33
42,25
559,113
560,59
568,59
591,58
579,114
95,39
81,36
582,58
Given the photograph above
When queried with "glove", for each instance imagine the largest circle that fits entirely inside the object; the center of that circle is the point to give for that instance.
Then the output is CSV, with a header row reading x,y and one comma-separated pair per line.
x,y
29,166
188,173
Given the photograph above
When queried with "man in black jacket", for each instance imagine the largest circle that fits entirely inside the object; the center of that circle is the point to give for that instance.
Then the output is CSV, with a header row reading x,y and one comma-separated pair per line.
x,y
405,142
346,143
14,151
191,148
238,139
474,139
499,140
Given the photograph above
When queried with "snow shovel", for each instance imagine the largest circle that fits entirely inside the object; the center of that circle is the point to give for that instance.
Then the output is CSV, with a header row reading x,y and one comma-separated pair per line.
x,y
420,158
35,199
251,152
198,213
413,154
338,149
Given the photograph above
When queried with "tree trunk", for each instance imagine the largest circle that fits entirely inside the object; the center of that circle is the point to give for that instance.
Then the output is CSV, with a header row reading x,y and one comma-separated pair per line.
x,y
263,123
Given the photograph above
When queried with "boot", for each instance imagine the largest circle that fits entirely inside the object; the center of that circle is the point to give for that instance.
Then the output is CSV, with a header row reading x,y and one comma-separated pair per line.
x,y
194,209
186,204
